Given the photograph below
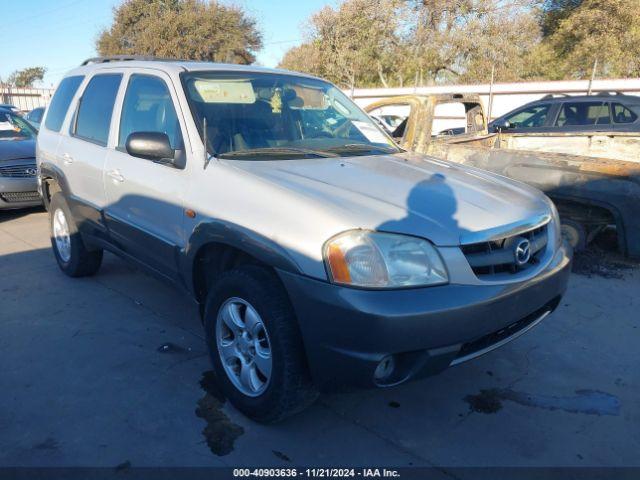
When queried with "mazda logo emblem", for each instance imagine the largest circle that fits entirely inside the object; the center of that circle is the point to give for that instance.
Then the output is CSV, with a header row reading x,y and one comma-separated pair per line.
x,y
31,172
522,252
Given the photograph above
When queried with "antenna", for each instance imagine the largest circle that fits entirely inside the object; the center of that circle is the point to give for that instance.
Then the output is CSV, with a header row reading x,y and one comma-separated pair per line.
x,y
207,158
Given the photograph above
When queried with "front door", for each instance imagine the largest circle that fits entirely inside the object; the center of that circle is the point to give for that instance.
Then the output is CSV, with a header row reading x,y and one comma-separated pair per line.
x,y
144,210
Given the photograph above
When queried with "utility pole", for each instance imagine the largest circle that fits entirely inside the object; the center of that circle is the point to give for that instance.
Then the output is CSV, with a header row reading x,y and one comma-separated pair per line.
x,y
593,76
489,108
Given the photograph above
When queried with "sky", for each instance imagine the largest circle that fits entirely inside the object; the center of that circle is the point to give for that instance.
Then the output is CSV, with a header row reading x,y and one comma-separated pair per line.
x,y
60,34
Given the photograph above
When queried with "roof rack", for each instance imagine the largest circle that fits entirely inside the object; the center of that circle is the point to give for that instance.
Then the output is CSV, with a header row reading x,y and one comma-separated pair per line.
x,y
612,92
126,58
554,95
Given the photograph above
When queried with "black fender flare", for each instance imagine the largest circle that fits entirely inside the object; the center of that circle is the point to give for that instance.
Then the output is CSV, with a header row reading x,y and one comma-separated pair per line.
x,y
49,171
220,232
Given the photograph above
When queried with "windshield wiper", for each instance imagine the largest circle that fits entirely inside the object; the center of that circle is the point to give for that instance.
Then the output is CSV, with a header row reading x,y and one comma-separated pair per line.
x,y
363,147
275,151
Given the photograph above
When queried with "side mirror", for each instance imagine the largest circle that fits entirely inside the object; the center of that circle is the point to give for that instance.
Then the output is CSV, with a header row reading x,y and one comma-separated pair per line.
x,y
500,125
154,146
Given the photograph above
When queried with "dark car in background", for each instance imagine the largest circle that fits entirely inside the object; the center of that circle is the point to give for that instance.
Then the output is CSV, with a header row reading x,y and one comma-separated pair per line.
x,y
586,113
18,171
11,108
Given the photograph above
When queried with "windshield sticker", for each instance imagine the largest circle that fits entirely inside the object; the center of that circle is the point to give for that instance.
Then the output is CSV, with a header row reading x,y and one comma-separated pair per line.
x,y
216,91
370,132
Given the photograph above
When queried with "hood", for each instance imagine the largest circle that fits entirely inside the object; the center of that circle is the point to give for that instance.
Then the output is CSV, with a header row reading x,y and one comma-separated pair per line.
x,y
17,149
406,193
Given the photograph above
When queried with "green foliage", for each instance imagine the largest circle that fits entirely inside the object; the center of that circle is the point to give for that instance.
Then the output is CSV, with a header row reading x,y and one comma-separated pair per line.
x,y
554,12
185,29
422,42
27,77
603,30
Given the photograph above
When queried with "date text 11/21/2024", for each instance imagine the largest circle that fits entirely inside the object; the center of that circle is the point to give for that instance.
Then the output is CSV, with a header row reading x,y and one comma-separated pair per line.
x,y
316,472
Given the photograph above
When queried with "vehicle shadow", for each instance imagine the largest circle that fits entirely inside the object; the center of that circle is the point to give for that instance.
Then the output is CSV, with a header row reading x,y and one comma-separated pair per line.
x,y
13,214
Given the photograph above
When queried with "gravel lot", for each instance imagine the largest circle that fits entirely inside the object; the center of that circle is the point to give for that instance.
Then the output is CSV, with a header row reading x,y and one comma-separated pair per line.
x,y
112,371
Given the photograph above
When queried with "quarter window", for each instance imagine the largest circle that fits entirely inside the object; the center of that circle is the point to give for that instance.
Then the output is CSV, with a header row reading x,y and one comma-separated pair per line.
x,y
148,108
622,114
529,117
583,113
60,102
96,107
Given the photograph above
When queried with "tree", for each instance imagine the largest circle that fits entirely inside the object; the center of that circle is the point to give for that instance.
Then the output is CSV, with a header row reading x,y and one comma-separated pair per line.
x,y
27,77
354,44
399,42
606,30
553,12
461,40
186,29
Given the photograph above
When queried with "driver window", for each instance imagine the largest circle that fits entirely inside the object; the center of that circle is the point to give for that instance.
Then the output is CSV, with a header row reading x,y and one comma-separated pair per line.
x,y
148,107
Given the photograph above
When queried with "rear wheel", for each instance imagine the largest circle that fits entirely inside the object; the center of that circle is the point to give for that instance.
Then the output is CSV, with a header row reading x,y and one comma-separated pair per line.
x,y
255,345
72,255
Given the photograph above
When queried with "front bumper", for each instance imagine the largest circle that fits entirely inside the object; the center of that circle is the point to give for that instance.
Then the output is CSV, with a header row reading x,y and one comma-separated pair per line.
x,y
19,193
347,332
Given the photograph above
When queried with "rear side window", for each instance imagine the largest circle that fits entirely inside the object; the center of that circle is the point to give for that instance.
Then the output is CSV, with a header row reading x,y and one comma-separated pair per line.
x,y
60,102
96,107
148,108
530,117
583,113
622,114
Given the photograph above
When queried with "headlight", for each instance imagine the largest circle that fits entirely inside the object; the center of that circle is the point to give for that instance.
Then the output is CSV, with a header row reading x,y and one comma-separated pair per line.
x,y
557,228
383,260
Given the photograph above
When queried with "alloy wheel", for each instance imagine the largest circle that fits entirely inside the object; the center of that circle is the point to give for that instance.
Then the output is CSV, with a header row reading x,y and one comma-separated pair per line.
x,y
244,346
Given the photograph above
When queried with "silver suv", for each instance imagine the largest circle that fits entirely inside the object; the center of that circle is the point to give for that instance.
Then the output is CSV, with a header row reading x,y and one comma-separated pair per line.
x,y
321,254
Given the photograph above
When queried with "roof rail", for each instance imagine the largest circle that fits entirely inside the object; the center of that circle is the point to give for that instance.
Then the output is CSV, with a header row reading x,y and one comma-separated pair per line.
x,y
125,58
554,95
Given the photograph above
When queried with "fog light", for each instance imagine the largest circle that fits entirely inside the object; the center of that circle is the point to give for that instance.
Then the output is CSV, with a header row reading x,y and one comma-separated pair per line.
x,y
384,368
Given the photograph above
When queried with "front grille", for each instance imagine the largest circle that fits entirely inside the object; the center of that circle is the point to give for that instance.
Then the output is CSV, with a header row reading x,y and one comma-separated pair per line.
x,y
19,197
24,170
499,256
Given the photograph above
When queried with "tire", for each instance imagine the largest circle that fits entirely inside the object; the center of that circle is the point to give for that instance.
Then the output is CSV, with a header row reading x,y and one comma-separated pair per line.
x,y
575,233
288,389
72,255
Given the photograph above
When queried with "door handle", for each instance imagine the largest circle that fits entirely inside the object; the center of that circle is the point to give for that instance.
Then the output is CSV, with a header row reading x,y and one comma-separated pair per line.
x,y
67,159
116,176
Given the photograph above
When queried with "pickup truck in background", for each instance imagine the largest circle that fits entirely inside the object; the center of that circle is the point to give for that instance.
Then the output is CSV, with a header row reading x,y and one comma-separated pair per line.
x,y
595,189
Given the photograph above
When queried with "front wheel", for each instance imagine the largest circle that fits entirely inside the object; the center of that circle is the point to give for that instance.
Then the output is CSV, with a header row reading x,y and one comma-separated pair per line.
x,y
255,345
575,234
72,255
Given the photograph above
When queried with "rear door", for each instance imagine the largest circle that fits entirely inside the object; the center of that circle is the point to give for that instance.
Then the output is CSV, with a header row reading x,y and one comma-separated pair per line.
x,y
583,116
83,152
50,133
145,199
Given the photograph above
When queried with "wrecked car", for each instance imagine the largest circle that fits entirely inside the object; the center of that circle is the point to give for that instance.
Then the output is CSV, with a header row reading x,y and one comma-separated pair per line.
x,y
590,192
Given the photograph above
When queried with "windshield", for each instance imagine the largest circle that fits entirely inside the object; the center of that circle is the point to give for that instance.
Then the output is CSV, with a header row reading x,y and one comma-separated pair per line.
x,y
12,127
267,116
